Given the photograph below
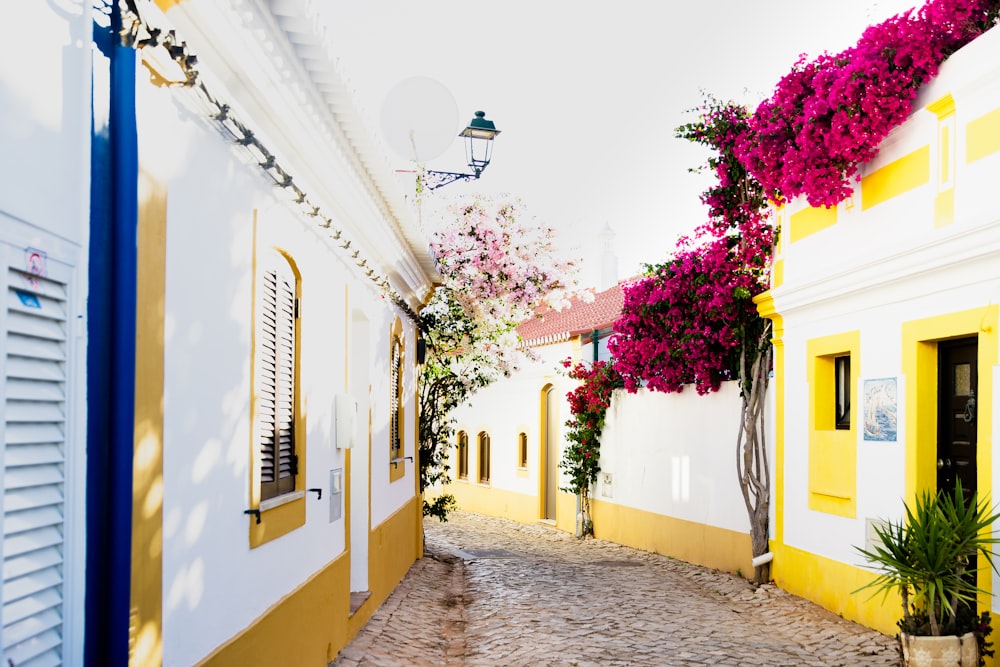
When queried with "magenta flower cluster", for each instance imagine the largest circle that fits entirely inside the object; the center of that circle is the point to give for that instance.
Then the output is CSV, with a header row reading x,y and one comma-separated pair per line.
x,y
589,404
828,116
686,322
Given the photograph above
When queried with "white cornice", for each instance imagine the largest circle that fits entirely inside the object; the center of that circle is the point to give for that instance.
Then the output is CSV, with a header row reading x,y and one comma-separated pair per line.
x,y
270,61
934,264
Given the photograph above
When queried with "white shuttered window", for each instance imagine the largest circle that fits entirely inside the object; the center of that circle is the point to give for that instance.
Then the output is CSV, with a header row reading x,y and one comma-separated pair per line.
x,y
34,458
277,311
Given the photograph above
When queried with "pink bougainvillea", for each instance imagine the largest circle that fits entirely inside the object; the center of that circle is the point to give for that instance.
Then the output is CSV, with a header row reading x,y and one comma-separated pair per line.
x,y
687,321
829,115
499,262
589,403
497,265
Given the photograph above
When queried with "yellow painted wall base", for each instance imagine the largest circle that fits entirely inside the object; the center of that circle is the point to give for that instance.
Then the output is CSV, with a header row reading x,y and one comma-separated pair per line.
x,y
692,542
316,615
566,512
313,616
830,584
472,497
520,507
393,546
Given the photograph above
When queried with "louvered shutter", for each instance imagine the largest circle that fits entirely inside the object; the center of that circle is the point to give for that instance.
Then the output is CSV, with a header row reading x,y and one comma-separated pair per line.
x,y
33,469
276,380
396,391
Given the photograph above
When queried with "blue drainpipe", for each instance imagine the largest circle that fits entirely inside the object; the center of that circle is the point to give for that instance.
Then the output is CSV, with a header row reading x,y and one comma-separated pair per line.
x,y
111,310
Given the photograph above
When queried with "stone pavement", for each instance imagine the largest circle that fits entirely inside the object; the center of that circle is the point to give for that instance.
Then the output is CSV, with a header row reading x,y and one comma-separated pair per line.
x,y
493,592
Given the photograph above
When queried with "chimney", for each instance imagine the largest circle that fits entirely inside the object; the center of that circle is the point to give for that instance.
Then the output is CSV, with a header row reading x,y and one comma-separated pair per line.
x,y
609,260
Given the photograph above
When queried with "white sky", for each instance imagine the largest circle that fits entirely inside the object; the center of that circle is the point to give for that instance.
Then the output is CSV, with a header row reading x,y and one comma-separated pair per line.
x,y
587,94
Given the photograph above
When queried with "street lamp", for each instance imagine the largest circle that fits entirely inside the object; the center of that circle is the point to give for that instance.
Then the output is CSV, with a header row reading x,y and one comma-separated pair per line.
x,y
478,137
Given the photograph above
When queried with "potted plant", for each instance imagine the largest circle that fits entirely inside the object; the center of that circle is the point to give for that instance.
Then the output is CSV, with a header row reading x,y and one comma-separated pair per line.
x,y
932,559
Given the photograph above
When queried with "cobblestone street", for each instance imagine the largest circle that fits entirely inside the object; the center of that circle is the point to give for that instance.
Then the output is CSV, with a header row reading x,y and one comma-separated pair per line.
x,y
492,592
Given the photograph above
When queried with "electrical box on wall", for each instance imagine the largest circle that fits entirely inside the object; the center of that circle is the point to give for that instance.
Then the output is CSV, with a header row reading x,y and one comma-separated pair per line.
x,y
346,413
336,494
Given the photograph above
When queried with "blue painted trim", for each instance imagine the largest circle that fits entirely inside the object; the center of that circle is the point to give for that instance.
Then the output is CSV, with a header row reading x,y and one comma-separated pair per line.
x,y
111,312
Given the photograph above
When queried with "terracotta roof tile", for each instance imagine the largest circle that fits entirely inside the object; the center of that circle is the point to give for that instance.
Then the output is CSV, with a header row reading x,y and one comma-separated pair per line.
x,y
579,317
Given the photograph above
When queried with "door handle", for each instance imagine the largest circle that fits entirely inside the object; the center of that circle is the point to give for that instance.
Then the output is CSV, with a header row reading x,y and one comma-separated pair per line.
x,y
970,407
943,463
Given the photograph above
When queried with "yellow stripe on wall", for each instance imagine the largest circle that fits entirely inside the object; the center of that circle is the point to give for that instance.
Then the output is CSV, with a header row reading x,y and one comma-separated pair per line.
x,y
778,273
317,613
392,549
689,541
944,208
146,624
473,497
832,585
808,221
902,175
313,615
982,136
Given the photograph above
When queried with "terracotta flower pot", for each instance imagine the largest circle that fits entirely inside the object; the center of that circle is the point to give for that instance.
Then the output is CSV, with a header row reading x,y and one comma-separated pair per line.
x,y
947,651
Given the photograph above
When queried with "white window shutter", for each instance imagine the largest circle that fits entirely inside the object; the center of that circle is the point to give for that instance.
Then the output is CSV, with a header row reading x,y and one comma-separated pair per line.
x,y
33,470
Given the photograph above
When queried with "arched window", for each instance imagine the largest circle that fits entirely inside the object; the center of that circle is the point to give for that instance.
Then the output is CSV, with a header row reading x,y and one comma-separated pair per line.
x,y
522,450
463,455
484,457
276,376
396,397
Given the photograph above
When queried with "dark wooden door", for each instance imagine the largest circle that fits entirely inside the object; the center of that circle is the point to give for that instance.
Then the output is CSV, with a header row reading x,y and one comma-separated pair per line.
x,y
957,382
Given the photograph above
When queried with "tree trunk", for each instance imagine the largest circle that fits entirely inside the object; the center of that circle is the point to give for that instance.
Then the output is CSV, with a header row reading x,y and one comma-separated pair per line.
x,y
586,526
752,466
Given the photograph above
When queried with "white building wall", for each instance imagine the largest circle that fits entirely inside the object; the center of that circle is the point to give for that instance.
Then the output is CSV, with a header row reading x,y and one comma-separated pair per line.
x,y
387,495
512,406
44,116
214,584
669,454
45,101
877,268
206,462
674,455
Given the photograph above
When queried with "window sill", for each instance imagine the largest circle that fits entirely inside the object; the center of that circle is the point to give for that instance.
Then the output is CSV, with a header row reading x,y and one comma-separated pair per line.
x,y
279,516
400,459
283,499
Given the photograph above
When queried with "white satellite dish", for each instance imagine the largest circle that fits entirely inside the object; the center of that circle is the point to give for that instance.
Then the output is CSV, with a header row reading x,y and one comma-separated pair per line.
x,y
419,119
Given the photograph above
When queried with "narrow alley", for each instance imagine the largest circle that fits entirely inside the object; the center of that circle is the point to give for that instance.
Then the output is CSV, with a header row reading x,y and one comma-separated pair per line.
x,y
493,592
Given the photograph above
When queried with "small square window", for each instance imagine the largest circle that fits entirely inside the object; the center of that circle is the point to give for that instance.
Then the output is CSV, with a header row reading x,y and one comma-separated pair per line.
x,y
842,391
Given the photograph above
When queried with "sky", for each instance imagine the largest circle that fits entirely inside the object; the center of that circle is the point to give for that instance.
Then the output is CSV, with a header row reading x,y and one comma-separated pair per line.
x,y
586,95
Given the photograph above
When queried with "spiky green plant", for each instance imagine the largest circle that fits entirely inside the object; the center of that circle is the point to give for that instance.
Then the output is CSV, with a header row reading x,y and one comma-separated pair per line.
x,y
932,558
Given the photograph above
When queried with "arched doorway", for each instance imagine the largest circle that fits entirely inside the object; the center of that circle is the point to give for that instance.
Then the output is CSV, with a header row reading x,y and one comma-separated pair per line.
x,y
551,451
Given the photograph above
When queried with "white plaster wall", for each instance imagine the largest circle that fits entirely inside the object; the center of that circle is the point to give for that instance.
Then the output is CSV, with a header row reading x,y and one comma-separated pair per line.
x,y
675,455
509,407
388,496
45,110
214,584
671,454
45,116
876,269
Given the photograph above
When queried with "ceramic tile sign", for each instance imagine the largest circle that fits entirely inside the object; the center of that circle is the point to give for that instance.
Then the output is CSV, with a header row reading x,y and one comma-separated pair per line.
x,y
880,409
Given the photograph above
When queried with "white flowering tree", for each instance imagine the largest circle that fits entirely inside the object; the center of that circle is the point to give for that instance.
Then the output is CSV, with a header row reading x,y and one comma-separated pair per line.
x,y
498,266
